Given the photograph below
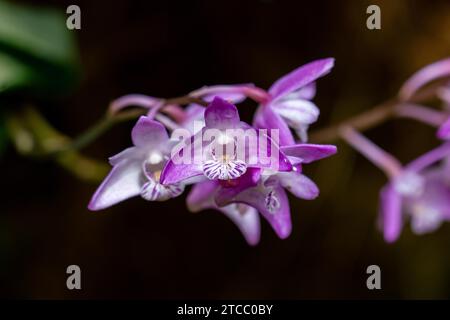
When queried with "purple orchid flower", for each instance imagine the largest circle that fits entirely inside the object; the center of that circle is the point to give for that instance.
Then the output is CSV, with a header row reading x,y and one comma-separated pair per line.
x,y
441,119
238,186
213,164
418,190
240,195
258,190
288,102
136,170
421,192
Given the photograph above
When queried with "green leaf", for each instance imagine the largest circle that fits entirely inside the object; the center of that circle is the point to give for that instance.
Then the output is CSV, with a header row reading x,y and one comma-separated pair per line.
x,y
3,135
13,73
37,51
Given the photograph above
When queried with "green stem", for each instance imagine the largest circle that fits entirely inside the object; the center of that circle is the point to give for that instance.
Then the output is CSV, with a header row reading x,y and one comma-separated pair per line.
x,y
108,121
99,128
33,136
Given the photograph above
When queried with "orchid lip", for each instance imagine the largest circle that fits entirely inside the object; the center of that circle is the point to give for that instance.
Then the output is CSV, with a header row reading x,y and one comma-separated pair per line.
x,y
224,170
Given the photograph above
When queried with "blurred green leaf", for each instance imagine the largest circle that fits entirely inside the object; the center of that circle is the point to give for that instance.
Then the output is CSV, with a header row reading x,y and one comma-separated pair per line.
x,y
37,51
3,135
13,73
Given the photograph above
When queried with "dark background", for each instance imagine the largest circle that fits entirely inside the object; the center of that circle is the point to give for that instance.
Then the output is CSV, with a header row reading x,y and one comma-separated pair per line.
x,y
148,250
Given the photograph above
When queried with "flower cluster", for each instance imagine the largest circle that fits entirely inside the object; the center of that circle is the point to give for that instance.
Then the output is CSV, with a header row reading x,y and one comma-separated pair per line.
x,y
239,182
420,190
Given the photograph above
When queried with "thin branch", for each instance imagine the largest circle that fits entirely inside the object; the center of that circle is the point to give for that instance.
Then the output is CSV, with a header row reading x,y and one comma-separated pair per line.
x,y
371,118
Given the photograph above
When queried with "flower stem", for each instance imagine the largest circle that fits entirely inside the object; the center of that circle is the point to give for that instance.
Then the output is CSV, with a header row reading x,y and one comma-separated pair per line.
x,y
371,118
99,128
114,117
363,121
382,159
33,136
423,114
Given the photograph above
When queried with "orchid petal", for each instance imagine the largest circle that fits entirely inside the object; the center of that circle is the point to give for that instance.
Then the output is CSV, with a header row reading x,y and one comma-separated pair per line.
x,y
232,188
218,169
201,195
123,182
271,202
300,77
231,93
444,130
299,185
176,173
266,118
187,169
391,213
429,158
127,154
266,153
444,94
309,152
297,112
152,190
194,119
427,222
149,133
425,75
221,114
432,206
244,217
305,93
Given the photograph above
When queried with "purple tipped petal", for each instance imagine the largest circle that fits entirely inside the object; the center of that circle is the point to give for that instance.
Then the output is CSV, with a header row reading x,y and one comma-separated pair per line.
x,y
148,133
425,75
429,158
194,119
176,173
308,92
266,118
185,163
202,195
123,182
444,131
221,114
244,217
444,94
300,185
231,93
300,77
128,154
429,209
230,189
391,213
309,152
272,203
266,154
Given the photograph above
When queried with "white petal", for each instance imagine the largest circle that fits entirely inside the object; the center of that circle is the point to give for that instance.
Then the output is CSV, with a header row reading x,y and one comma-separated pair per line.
x,y
297,112
299,185
123,182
